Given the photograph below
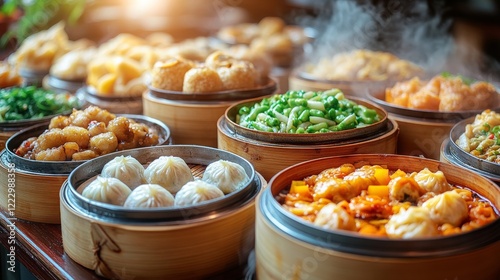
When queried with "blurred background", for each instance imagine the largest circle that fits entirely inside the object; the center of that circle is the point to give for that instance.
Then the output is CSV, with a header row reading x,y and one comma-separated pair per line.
x,y
418,29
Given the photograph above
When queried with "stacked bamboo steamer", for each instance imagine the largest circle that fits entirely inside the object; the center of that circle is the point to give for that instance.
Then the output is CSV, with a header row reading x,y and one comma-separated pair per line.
x,y
289,247
272,152
192,117
191,242
37,183
422,132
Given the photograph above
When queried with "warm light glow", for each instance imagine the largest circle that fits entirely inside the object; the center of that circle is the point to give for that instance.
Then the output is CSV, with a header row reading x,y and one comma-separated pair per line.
x,y
142,8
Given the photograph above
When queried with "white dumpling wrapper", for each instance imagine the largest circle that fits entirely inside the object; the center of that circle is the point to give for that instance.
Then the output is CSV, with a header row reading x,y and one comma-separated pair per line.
x,y
414,222
226,175
126,169
170,172
332,216
449,207
107,190
195,192
432,181
149,196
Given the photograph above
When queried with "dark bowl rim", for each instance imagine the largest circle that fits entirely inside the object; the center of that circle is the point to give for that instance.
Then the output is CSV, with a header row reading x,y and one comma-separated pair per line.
x,y
306,138
27,122
467,158
226,95
30,166
162,214
351,242
378,98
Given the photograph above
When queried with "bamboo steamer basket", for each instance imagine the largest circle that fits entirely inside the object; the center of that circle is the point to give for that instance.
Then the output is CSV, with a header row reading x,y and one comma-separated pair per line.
x,y
272,152
37,183
115,104
185,243
421,131
288,248
298,79
451,153
192,118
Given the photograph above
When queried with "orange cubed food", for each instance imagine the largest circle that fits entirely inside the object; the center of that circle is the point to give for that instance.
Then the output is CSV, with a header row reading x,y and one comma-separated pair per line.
x,y
382,176
378,190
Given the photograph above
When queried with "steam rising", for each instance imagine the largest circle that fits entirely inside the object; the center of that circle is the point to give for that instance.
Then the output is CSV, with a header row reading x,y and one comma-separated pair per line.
x,y
414,31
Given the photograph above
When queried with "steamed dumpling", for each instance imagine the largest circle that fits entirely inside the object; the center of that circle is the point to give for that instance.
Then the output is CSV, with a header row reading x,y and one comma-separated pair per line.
x,y
414,222
107,190
195,192
149,196
332,216
448,207
432,181
127,169
226,175
169,172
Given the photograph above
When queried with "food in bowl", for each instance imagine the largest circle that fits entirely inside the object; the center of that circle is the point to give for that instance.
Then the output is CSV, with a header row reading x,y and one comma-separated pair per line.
x,y
444,93
375,201
32,102
39,51
481,138
219,72
86,134
9,76
363,65
165,181
271,35
306,112
72,66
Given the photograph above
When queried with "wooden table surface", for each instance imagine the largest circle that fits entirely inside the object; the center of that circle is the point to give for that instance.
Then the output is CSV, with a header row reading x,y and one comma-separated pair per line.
x,y
39,247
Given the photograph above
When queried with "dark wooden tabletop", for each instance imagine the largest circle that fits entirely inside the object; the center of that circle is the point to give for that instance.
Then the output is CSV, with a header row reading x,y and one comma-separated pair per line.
x,y
39,248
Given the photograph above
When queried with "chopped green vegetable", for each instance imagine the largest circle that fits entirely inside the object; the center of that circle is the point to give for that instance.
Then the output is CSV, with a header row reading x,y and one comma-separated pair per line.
x,y
31,102
466,80
306,112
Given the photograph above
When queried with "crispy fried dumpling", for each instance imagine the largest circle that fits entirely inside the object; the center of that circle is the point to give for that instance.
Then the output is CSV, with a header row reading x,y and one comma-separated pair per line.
x,y
170,172
448,207
432,181
107,190
127,169
414,222
195,192
332,216
149,196
226,175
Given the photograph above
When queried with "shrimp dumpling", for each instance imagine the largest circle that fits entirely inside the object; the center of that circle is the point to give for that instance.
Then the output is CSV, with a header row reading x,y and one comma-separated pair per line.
x,y
332,216
432,181
170,172
149,196
226,175
414,222
107,190
449,207
195,192
127,169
